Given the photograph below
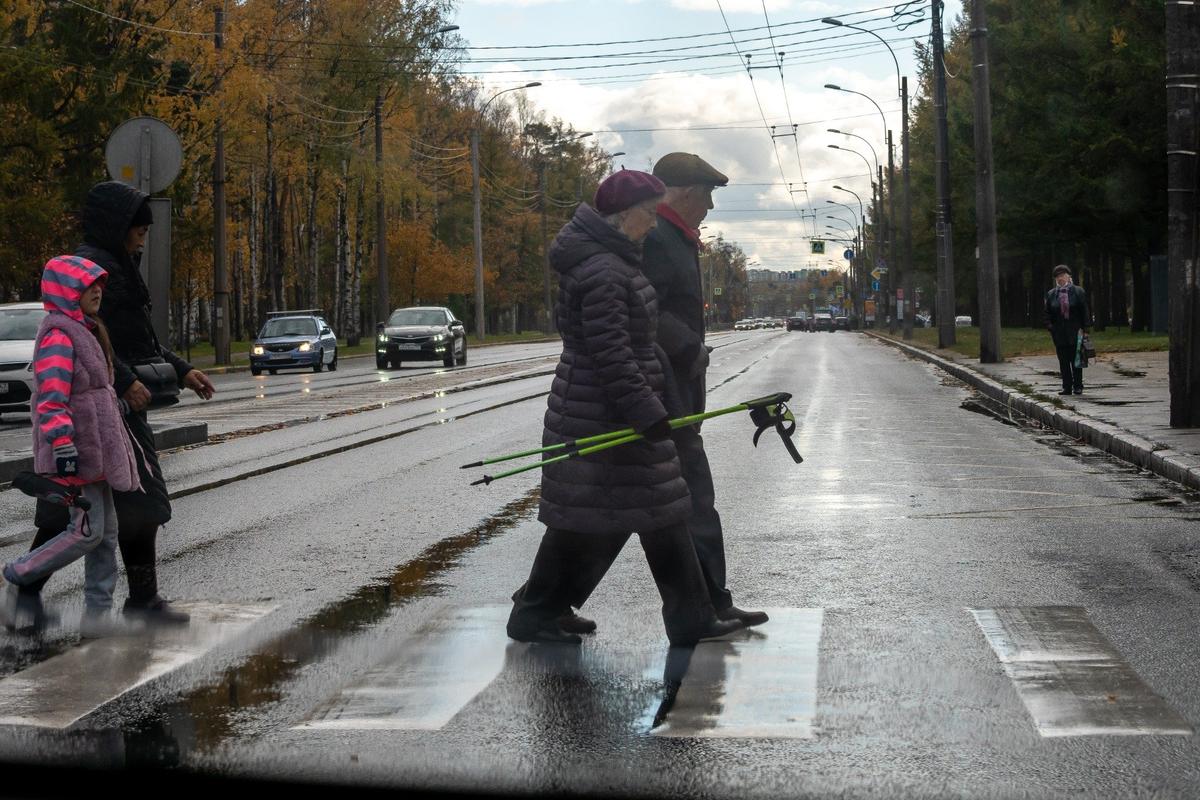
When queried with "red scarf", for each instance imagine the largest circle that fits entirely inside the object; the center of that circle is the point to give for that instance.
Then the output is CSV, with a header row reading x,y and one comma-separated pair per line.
x,y
672,216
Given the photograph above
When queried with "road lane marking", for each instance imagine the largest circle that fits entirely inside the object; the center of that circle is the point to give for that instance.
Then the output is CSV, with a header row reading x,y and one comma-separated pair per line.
x,y
61,690
762,683
1071,679
434,674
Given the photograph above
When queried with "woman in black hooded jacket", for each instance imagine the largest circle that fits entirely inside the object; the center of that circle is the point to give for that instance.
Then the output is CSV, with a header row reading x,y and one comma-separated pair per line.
x,y
116,219
610,377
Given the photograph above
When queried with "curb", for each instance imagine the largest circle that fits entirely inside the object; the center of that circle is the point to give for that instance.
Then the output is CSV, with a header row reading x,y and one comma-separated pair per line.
x,y
226,370
166,437
1116,441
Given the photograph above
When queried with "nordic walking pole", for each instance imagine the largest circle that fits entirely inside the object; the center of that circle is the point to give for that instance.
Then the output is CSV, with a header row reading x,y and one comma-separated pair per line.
x,y
765,412
681,422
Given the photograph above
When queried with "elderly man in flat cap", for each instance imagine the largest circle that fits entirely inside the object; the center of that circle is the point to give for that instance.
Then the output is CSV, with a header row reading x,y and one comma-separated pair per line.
x,y
671,260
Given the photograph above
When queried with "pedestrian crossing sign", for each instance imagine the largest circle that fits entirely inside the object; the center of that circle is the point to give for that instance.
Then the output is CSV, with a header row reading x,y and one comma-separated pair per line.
x,y
818,247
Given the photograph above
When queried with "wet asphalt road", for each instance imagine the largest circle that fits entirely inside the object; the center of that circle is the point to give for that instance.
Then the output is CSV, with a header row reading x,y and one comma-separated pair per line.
x,y
374,581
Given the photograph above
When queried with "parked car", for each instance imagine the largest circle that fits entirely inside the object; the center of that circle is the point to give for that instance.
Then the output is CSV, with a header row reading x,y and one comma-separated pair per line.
x,y
775,323
18,331
421,333
291,339
841,323
823,322
923,321
744,325
963,322
797,323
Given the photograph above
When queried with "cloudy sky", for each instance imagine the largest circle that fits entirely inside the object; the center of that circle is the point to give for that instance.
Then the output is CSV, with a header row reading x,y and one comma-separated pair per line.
x,y
648,77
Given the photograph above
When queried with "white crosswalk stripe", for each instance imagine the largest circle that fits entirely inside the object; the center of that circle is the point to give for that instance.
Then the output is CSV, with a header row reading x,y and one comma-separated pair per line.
x,y
1071,679
62,690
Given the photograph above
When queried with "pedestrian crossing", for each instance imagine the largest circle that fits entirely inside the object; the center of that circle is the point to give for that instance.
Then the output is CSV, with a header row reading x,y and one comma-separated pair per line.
x,y
762,683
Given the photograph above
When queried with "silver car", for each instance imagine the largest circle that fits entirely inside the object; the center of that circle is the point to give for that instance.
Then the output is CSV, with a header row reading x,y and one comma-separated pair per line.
x,y
18,331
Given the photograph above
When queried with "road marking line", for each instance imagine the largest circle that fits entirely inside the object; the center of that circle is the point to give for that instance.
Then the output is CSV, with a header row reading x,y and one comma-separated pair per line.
x,y
61,690
437,670
760,684
1071,679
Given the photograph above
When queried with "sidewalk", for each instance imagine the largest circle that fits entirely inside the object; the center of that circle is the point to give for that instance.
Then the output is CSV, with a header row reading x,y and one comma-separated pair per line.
x,y
1124,409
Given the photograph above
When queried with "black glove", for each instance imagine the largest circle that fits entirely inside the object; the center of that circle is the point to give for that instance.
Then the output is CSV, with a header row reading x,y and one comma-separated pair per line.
x,y
659,431
66,461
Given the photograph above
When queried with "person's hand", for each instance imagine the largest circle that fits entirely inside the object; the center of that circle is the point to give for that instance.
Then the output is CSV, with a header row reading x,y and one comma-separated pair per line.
x,y
199,383
137,396
659,431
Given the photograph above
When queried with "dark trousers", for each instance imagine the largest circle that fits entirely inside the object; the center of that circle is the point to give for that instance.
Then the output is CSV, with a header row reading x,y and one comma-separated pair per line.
x,y
1072,376
704,527
567,559
136,541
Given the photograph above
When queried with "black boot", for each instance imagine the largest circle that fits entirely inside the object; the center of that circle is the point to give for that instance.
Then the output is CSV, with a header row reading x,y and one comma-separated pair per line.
x,y
144,602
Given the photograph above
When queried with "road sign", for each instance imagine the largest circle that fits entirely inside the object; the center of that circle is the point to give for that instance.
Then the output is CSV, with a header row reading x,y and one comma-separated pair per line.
x,y
717,290
848,255
818,247
899,294
838,290
878,272
145,153
812,295
874,286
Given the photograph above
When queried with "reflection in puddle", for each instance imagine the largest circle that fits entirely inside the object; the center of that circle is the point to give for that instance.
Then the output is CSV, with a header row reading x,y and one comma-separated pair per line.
x,y
207,715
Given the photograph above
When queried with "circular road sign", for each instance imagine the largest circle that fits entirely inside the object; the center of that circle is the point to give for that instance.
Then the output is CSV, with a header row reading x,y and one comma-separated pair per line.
x,y
126,160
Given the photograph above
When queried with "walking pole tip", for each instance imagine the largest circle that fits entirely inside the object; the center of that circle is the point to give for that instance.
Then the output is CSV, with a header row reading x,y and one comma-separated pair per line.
x,y
485,480
472,465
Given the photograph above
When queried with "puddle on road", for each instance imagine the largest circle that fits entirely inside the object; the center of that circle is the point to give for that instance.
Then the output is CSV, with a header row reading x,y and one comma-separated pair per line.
x,y
208,714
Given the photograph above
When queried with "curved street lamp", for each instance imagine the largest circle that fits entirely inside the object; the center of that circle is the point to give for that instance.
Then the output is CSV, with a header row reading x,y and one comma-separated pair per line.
x,y
865,141
850,150
477,201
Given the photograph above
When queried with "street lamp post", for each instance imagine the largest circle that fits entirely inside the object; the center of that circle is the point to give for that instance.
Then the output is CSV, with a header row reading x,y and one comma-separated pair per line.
x,y
859,274
477,202
909,310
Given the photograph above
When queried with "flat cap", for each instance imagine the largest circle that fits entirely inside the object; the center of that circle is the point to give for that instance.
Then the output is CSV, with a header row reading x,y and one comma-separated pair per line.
x,y
687,169
1061,269
625,189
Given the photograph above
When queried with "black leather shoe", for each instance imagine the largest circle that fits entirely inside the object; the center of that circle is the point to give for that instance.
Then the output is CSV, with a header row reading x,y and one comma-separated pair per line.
x,y
1079,390
1065,391
155,611
748,618
573,623
549,633
714,630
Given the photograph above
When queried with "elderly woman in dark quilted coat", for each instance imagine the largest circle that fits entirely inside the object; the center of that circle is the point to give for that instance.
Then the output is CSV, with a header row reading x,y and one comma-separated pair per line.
x,y
608,378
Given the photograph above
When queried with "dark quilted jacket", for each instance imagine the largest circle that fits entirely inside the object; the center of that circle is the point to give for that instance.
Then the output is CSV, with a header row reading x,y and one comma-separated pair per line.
x,y
609,377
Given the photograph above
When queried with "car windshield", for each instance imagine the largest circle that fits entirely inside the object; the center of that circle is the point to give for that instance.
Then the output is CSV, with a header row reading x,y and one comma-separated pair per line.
x,y
18,324
295,326
417,316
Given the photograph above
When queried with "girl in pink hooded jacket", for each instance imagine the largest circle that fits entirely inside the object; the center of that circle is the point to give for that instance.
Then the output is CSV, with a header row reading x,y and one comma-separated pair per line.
x,y
79,439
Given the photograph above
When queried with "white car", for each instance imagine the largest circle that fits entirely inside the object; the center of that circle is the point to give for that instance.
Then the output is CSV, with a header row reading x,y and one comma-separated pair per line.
x,y
963,322
744,325
18,330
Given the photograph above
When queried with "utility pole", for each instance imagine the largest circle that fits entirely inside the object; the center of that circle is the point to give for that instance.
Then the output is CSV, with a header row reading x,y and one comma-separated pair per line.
x,y
220,273
547,300
1183,215
881,309
909,306
382,289
985,193
944,220
892,236
478,221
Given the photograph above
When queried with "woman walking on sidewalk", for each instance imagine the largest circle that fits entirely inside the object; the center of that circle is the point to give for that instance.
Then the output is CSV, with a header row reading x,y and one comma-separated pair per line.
x,y
79,440
609,377
1066,317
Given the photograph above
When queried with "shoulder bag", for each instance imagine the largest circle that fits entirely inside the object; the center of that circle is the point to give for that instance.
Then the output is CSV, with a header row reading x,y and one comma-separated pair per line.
x,y
160,379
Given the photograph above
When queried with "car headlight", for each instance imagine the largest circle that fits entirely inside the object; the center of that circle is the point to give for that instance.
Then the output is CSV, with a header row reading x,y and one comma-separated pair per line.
x,y
258,350
439,337
305,347
383,337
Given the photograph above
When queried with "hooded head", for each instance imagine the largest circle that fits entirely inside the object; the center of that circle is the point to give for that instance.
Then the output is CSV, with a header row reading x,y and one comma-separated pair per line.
x,y
109,214
64,280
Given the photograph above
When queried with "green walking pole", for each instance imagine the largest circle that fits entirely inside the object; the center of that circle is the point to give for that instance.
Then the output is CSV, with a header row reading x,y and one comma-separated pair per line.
x,y
765,412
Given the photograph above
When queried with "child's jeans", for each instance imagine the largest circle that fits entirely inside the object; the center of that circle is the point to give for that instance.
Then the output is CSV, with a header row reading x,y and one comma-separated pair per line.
x,y
91,536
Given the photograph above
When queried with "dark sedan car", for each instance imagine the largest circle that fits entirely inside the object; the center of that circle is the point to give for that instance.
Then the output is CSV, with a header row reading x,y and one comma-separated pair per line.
x,y
426,333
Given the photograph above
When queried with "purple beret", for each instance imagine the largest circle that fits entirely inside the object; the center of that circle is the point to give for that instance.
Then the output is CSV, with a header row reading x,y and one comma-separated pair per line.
x,y
626,188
